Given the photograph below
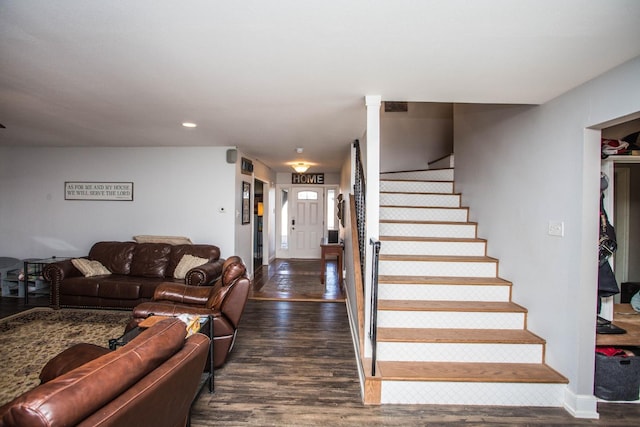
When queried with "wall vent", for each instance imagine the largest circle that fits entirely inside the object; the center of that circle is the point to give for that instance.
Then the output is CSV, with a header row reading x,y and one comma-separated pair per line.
x,y
396,107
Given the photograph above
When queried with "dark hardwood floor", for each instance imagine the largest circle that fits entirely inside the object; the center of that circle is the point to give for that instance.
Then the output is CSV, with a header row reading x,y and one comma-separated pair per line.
x,y
293,364
296,280
12,305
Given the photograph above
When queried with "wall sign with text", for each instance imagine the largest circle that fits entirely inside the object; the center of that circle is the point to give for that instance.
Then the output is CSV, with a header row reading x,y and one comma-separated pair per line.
x,y
120,191
307,178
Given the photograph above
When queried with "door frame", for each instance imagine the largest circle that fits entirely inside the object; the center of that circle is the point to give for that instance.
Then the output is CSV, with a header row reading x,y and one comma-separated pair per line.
x,y
283,252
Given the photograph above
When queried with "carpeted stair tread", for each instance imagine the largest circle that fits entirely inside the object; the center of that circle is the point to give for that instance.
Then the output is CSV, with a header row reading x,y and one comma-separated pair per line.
x,y
469,372
453,208
431,239
438,258
465,336
404,221
411,180
426,193
444,280
461,306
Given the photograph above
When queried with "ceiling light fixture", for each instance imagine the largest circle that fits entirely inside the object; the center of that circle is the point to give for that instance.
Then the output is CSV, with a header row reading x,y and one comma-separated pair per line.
x,y
300,167
189,125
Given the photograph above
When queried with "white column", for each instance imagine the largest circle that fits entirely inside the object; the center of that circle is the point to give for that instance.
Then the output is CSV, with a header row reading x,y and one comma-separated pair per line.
x,y
372,174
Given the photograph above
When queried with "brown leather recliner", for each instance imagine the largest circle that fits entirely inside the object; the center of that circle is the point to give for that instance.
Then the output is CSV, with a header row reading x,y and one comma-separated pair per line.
x,y
151,381
224,301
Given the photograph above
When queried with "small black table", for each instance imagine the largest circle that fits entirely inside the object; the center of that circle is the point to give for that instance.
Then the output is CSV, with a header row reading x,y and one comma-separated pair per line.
x,y
33,271
206,327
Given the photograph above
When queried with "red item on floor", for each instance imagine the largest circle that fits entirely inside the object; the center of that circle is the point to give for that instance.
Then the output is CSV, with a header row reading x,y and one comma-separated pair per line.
x,y
610,351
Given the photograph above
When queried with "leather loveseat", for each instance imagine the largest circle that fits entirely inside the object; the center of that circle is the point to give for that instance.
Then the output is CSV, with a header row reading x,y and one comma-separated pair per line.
x,y
136,269
224,301
151,381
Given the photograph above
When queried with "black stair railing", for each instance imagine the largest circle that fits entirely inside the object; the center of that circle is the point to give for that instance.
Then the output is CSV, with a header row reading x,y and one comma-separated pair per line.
x,y
359,195
373,320
359,190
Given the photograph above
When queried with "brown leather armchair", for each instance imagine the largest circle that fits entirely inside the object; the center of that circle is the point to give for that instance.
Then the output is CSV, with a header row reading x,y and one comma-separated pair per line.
x,y
150,381
224,301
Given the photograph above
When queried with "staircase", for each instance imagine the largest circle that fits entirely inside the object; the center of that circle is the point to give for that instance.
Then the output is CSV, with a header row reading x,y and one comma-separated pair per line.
x,y
448,332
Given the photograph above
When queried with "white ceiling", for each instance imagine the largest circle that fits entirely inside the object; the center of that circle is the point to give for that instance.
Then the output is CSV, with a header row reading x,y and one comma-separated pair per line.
x,y
270,76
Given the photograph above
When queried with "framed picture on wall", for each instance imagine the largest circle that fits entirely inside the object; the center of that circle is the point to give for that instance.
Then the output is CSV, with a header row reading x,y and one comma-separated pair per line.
x,y
246,202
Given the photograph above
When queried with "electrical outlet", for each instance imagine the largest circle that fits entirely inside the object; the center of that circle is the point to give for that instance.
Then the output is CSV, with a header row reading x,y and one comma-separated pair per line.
x,y
556,228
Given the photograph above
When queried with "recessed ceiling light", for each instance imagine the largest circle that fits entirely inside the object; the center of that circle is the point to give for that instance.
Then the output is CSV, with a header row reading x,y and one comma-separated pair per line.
x,y
189,125
299,150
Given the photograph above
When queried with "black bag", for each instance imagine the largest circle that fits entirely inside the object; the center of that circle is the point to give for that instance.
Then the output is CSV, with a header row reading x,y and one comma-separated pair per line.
x,y
607,284
607,244
617,377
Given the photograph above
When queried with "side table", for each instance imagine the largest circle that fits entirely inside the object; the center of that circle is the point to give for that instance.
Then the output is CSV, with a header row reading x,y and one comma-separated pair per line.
x,y
206,327
33,272
331,249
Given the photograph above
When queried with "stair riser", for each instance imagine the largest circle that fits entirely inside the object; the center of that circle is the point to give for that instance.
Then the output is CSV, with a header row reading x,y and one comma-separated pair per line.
x,y
438,268
424,214
443,187
444,292
422,200
462,231
472,393
393,247
447,319
458,352
427,175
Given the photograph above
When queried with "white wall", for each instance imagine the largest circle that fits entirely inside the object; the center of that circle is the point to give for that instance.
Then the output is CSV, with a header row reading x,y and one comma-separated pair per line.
x,y
519,167
177,191
410,140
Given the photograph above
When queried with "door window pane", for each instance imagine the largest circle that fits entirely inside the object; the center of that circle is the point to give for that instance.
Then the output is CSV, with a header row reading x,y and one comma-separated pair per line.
x,y
331,209
308,195
284,222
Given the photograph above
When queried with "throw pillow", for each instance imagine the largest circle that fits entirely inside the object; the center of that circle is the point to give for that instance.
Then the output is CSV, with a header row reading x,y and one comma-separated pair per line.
x,y
90,268
187,262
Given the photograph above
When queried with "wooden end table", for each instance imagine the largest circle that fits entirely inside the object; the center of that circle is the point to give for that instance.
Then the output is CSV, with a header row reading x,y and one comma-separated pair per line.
x,y
331,249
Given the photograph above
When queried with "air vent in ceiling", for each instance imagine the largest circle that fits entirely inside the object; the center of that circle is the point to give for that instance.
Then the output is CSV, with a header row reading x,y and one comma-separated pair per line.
x,y
396,107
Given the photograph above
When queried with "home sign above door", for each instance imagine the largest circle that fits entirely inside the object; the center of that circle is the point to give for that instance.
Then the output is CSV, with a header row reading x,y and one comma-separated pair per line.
x,y
307,178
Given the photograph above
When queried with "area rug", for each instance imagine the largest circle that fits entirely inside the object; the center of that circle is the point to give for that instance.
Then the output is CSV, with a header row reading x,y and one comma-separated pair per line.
x,y
29,339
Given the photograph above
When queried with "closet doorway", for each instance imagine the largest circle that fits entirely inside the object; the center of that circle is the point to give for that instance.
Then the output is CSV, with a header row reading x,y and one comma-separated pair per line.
x,y
622,202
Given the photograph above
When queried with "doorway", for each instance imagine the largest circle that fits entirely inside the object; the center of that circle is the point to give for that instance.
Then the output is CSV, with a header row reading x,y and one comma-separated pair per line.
x,y
621,201
306,222
304,214
258,224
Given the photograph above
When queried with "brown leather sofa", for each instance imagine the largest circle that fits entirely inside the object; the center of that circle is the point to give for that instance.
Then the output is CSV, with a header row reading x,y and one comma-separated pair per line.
x,y
224,301
136,270
151,381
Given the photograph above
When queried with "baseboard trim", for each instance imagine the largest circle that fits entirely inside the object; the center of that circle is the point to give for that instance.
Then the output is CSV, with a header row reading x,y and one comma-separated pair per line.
x,y
581,405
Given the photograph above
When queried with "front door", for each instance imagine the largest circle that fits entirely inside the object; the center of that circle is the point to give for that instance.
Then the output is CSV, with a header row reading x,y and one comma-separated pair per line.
x,y
306,223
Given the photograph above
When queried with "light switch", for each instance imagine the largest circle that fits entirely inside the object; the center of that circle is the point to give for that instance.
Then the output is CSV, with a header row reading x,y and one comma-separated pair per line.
x,y
556,228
